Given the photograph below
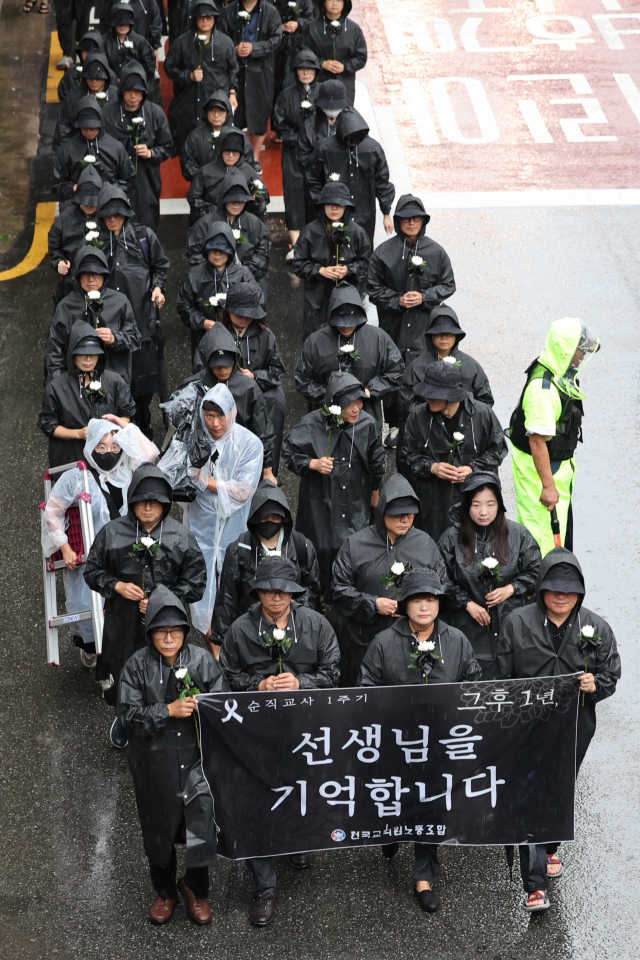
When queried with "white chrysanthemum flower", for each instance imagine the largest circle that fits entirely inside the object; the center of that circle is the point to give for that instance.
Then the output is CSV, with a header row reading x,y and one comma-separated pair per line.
x,y
128,44
93,295
202,37
459,437
335,410
78,69
334,177
181,673
588,631
243,15
213,301
147,541
416,261
397,569
338,225
335,23
236,234
216,133
136,120
89,158
95,385
222,297
490,563
258,184
306,105
279,634
274,553
347,348
426,646
449,360
101,96
91,225
92,235
292,3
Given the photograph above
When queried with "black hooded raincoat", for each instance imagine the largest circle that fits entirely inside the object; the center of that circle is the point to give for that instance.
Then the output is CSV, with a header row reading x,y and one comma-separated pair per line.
x,y
67,234
147,19
346,44
387,662
200,146
206,188
112,163
288,119
66,125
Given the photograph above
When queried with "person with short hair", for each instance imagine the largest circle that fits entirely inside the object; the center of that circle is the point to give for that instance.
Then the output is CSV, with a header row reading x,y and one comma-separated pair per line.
x,y
306,658
162,726
419,647
553,637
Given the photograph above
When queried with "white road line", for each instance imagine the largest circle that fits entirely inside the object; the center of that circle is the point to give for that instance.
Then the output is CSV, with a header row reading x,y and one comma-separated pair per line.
x,y
531,198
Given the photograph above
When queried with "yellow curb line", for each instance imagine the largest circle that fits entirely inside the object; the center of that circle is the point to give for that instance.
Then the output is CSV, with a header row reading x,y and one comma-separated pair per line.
x,y
54,75
45,215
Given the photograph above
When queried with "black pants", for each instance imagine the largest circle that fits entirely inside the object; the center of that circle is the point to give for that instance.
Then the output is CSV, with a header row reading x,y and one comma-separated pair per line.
x,y
142,416
262,873
533,865
66,12
164,879
427,865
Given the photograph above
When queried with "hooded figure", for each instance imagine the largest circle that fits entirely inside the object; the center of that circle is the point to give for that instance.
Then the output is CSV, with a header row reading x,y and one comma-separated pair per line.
x,y
134,449
95,67
359,161
216,59
111,310
340,40
333,505
200,146
468,439
114,561
234,596
547,425
121,51
71,158
392,273
72,399
464,547
90,41
138,268
146,125
364,561
256,75
70,228
377,364
321,247
289,115
146,21
218,349
532,644
225,473
201,297
205,192
251,235
295,17
173,799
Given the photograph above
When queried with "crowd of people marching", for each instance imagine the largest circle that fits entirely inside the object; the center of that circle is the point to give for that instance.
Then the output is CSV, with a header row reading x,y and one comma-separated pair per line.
x,y
421,577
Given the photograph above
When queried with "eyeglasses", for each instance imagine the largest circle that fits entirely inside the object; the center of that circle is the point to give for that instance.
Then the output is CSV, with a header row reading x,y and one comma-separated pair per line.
x,y
273,594
177,633
411,219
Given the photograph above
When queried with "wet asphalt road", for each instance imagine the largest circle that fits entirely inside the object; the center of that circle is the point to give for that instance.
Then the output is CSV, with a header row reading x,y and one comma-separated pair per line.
x,y
74,881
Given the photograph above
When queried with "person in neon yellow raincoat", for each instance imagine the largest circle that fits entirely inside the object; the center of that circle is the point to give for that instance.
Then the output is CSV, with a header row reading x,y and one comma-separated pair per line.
x,y
545,429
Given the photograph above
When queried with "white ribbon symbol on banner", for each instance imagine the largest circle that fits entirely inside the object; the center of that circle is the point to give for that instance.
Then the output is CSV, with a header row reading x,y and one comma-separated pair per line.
x,y
231,706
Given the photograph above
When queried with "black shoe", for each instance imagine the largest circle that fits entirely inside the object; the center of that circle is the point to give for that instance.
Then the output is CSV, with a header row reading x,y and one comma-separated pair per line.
x,y
389,850
261,913
300,860
427,900
117,735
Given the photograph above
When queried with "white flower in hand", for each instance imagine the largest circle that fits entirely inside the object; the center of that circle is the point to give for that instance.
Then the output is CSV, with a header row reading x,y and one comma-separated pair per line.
x,y
449,360
292,3
416,261
334,177
490,563
258,184
347,348
181,673
93,294
274,553
335,23
335,410
213,301
244,15
128,44
338,225
279,634
137,120
588,631
78,69
92,235
236,234
306,105
222,297
95,385
101,96
202,37
397,569
459,437
426,646
89,158
147,541
91,225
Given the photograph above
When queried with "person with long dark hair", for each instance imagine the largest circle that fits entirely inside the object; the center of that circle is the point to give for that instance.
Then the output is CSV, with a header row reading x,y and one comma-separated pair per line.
x,y
492,564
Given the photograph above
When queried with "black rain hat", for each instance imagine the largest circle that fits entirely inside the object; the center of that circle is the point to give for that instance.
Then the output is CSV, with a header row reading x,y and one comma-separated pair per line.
x,y
347,315
412,209
91,264
441,381
87,194
94,69
336,192
563,578
134,80
215,101
219,242
480,478
276,573
332,95
444,319
415,583
123,14
244,300
88,347
152,488
89,118
305,58
237,192
222,358
402,505
115,207
205,8
233,140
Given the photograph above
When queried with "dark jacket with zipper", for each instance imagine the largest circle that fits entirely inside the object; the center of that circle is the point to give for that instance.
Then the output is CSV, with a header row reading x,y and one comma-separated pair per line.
x,y
67,235
147,20
254,244
348,46
200,146
112,163
288,119
66,125
206,187
387,661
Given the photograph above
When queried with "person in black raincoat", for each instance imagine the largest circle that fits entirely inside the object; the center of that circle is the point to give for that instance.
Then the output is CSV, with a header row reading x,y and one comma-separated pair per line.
x,y
404,292
205,192
420,648
251,235
138,268
173,799
329,102
70,228
110,315
196,68
90,141
125,571
96,83
480,597
147,19
72,77
218,351
331,249
203,291
124,46
255,28
354,158
349,343
552,637
84,390
305,658
200,146
339,44
134,118
363,604
340,460
269,533
295,16
446,439
293,106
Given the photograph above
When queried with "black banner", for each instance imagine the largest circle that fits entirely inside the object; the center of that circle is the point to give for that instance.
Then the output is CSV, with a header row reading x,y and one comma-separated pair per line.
x,y
461,763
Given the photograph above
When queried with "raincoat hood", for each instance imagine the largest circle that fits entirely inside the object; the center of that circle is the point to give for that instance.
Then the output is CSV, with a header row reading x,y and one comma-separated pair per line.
x,y
160,599
215,339
219,95
233,187
448,313
109,193
79,331
405,201
144,472
95,56
214,11
351,123
122,7
94,35
89,182
85,252
346,295
267,492
223,398
220,228
132,71
96,430
395,487
556,556
340,382
563,339
89,105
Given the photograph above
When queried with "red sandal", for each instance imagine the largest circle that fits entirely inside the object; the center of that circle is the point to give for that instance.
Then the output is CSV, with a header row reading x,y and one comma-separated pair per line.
x,y
552,860
538,900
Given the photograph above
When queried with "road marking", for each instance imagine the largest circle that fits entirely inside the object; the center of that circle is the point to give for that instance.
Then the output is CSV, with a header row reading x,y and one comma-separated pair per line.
x,y
53,74
45,215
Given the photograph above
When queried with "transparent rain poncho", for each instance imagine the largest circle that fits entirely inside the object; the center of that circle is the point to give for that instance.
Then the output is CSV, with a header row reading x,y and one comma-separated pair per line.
x,y
136,449
216,519
565,338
